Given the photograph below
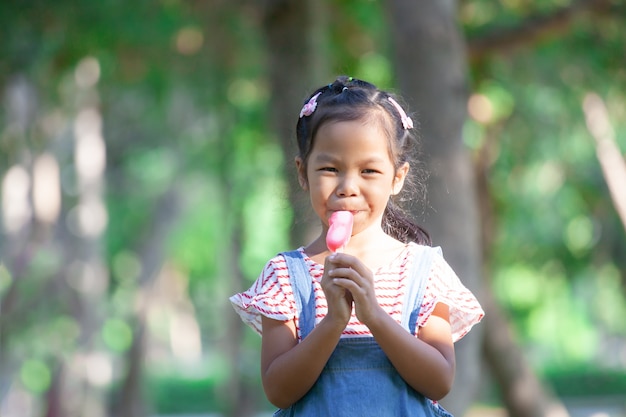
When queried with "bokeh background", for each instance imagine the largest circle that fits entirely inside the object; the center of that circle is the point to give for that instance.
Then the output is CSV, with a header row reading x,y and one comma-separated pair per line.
x,y
146,172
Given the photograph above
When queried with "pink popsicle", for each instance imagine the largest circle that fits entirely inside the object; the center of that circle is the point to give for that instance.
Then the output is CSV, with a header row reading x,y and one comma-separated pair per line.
x,y
339,231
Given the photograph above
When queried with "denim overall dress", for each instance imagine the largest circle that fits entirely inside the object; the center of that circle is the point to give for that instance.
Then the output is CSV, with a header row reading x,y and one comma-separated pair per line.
x,y
358,379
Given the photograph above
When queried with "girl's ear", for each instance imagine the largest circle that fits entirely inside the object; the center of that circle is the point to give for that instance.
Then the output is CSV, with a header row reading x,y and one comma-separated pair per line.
x,y
302,173
398,180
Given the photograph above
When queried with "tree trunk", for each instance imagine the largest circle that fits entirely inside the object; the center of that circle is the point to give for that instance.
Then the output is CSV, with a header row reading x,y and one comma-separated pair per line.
x,y
241,396
431,68
607,150
523,394
17,246
152,254
294,33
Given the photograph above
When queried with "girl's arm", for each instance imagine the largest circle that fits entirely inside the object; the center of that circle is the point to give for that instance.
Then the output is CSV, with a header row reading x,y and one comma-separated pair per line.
x,y
426,363
288,368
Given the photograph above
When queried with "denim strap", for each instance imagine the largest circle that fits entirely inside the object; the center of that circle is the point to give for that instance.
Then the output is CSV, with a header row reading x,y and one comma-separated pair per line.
x,y
303,293
416,286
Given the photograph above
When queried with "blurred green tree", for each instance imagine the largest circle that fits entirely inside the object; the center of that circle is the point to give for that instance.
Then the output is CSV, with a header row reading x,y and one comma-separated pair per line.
x,y
114,278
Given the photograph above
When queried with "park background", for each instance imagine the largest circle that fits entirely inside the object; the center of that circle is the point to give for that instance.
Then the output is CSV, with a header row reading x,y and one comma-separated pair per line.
x,y
146,153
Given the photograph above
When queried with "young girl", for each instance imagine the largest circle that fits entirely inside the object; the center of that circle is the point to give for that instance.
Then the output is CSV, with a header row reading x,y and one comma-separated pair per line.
x,y
369,331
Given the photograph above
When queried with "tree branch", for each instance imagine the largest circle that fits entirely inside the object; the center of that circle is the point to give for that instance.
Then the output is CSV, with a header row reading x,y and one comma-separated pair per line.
x,y
533,29
609,155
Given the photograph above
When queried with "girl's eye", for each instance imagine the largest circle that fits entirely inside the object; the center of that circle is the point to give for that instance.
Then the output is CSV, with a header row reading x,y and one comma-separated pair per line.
x,y
370,171
328,169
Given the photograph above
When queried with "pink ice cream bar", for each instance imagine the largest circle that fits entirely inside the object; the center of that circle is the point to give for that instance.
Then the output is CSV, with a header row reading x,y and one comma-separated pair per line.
x,y
339,230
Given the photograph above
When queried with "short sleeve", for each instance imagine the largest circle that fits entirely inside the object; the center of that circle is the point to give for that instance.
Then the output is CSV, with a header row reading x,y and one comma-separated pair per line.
x,y
444,286
270,296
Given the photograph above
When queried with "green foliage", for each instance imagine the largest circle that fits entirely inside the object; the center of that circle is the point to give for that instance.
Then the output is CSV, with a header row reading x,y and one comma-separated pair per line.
x,y
117,335
581,382
172,395
196,242
183,91
5,279
557,235
359,42
35,375
183,396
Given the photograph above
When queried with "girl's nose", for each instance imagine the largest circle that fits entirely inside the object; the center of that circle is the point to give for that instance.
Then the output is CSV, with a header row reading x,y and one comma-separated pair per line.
x,y
347,187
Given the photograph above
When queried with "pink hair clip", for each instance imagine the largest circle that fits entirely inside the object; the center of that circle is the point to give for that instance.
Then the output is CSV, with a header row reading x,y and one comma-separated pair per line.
x,y
407,123
310,106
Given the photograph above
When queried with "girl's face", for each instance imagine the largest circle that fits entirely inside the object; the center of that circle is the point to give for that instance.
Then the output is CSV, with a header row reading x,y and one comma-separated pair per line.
x,y
349,168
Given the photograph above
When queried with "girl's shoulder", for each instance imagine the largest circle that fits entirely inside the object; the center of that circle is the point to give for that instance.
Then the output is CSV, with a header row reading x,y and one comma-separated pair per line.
x,y
279,261
435,253
415,251
445,286
270,295
278,266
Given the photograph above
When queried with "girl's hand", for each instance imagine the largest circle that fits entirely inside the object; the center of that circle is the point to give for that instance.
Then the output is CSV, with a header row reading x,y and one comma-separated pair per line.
x,y
339,299
351,275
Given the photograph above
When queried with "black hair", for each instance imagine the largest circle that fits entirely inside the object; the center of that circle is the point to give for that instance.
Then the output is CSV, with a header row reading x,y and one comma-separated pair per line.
x,y
349,99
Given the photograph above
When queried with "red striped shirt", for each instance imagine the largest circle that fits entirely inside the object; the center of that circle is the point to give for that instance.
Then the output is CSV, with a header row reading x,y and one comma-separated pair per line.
x,y
271,295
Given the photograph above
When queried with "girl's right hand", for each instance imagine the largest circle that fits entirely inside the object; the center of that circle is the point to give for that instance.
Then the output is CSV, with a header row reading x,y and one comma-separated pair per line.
x,y
339,299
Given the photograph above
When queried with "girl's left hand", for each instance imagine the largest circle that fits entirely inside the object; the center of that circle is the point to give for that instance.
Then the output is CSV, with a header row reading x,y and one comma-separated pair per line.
x,y
350,273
